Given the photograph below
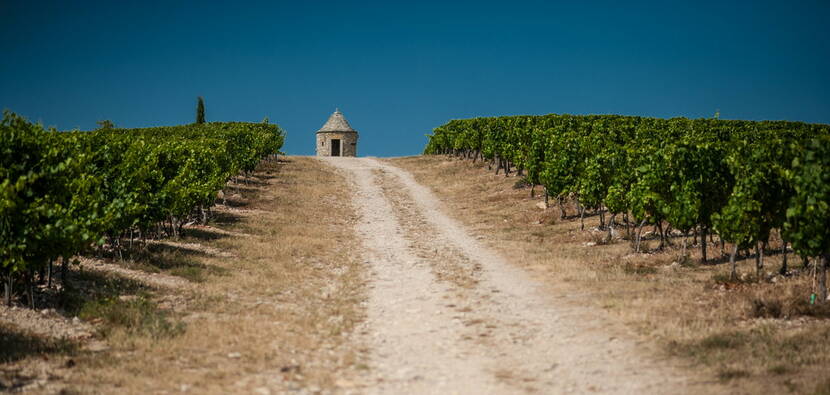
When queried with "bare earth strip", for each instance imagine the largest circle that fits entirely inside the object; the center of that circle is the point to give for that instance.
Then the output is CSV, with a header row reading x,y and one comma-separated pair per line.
x,y
447,315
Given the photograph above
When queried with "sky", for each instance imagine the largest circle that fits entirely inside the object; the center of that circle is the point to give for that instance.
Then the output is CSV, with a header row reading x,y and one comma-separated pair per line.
x,y
399,69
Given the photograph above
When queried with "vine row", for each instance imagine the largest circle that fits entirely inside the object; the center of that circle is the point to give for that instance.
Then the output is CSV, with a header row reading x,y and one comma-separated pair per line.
x,y
737,179
63,193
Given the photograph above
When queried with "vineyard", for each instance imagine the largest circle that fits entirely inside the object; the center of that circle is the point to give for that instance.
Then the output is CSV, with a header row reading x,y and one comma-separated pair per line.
x,y
743,181
64,193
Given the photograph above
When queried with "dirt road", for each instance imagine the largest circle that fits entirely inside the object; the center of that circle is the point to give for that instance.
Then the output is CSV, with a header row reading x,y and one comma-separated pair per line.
x,y
447,315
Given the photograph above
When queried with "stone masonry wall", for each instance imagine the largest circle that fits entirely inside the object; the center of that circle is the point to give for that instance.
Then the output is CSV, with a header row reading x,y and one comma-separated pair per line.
x,y
348,143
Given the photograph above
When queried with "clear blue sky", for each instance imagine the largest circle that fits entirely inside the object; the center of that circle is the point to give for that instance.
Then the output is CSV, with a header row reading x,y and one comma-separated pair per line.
x,y
399,69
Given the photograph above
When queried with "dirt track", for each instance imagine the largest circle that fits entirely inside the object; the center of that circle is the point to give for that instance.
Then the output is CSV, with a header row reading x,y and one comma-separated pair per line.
x,y
447,315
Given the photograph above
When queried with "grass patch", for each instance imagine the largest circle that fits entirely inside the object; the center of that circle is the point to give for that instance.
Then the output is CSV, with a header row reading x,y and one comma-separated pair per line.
x,y
522,183
630,268
175,261
725,278
822,388
192,273
778,352
787,306
138,315
142,266
600,238
166,258
687,262
771,308
801,307
727,374
86,286
780,369
719,341
15,345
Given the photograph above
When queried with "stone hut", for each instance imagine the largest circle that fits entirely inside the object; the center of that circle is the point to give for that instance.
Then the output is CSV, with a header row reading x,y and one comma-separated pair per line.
x,y
336,137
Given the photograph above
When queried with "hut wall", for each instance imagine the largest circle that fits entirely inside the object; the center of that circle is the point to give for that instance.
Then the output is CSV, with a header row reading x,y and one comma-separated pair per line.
x,y
348,143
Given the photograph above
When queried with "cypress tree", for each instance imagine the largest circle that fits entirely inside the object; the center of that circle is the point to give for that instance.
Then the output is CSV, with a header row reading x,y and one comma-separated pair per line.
x,y
200,110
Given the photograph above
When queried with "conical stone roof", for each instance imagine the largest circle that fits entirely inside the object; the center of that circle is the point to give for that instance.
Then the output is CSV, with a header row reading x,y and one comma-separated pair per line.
x,y
337,123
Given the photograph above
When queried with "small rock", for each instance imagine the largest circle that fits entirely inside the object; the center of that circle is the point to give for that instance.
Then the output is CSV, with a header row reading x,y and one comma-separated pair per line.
x,y
184,387
262,391
234,355
542,205
97,346
76,320
343,383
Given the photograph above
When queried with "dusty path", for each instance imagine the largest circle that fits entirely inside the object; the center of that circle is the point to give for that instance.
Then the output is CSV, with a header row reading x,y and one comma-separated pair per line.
x,y
446,315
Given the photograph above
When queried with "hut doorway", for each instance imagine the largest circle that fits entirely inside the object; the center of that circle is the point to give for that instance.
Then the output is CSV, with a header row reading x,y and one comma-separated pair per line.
x,y
335,147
